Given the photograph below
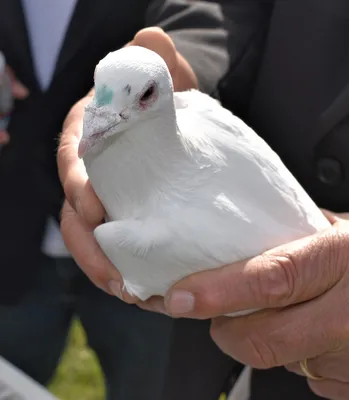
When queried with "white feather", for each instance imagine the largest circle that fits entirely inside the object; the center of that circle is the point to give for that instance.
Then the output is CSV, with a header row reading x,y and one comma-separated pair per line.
x,y
188,186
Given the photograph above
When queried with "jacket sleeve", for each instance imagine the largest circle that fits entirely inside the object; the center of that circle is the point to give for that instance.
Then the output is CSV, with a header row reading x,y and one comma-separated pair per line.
x,y
197,28
247,24
216,37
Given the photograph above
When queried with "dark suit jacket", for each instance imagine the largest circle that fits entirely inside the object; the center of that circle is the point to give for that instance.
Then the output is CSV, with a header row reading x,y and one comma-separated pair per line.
x,y
30,189
291,84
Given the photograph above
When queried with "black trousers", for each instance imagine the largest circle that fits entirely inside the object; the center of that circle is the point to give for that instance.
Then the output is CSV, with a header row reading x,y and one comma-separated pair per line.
x,y
280,384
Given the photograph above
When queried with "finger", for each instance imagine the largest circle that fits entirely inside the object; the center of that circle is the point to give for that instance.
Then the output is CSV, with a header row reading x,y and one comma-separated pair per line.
x,y
280,277
80,241
155,304
328,365
335,217
154,38
19,91
330,389
72,172
283,336
4,137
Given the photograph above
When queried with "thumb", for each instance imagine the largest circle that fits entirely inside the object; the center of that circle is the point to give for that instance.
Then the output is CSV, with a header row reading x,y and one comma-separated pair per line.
x,y
290,274
154,38
157,40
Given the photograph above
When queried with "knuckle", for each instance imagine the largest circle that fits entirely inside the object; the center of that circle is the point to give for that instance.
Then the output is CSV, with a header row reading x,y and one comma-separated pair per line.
x,y
68,190
67,216
60,149
211,301
261,354
276,280
74,198
338,255
79,207
215,332
238,342
221,335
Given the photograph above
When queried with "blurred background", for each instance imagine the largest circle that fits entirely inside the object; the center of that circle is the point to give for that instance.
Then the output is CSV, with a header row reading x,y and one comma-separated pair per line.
x,y
79,375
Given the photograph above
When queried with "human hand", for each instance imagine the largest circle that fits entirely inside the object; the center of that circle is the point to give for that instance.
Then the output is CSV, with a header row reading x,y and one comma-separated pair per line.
x,y
82,211
330,367
302,288
19,91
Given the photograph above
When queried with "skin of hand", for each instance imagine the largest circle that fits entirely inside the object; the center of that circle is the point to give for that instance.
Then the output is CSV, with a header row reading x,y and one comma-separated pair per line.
x,y
82,211
20,92
303,289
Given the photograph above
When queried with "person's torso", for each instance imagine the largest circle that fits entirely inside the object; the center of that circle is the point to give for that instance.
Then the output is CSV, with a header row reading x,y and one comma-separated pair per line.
x,y
300,104
29,184
35,125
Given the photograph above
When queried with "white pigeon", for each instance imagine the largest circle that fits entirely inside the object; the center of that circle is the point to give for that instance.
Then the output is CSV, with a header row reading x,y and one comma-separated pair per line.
x,y
186,185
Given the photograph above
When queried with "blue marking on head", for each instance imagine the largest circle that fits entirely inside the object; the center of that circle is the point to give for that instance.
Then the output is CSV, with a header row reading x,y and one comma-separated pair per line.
x,y
104,96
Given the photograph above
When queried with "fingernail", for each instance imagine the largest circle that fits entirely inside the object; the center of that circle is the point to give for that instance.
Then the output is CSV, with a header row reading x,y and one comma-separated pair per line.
x,y
180,302
115,288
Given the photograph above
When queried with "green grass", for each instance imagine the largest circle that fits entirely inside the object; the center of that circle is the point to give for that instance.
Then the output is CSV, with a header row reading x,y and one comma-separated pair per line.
x,y
79,376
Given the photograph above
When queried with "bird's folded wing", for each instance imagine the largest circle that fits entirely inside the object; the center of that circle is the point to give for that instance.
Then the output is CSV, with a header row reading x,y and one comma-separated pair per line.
x,y
151,256
251,175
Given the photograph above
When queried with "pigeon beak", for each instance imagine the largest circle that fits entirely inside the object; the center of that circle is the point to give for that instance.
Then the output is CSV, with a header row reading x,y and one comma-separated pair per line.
x,y
95,128
87,142
92,138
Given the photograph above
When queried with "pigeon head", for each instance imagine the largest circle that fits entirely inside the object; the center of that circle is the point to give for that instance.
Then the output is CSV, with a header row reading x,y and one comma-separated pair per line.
x,y
131,84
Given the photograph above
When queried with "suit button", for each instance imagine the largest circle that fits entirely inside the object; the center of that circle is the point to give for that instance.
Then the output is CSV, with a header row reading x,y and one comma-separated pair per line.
x,y
329,171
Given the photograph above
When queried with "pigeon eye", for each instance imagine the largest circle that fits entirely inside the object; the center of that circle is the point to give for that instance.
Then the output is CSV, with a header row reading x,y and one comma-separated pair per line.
x,y
148,96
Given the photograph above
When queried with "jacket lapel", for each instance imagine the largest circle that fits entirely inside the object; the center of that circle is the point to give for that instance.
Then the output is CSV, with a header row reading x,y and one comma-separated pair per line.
x,y
87,15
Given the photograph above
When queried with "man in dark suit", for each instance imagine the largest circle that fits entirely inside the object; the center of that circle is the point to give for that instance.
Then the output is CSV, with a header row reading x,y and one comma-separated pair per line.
x,y
143,355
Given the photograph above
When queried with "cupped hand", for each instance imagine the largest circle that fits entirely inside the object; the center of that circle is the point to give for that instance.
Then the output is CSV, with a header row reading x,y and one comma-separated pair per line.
x,y
302,290
82,211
